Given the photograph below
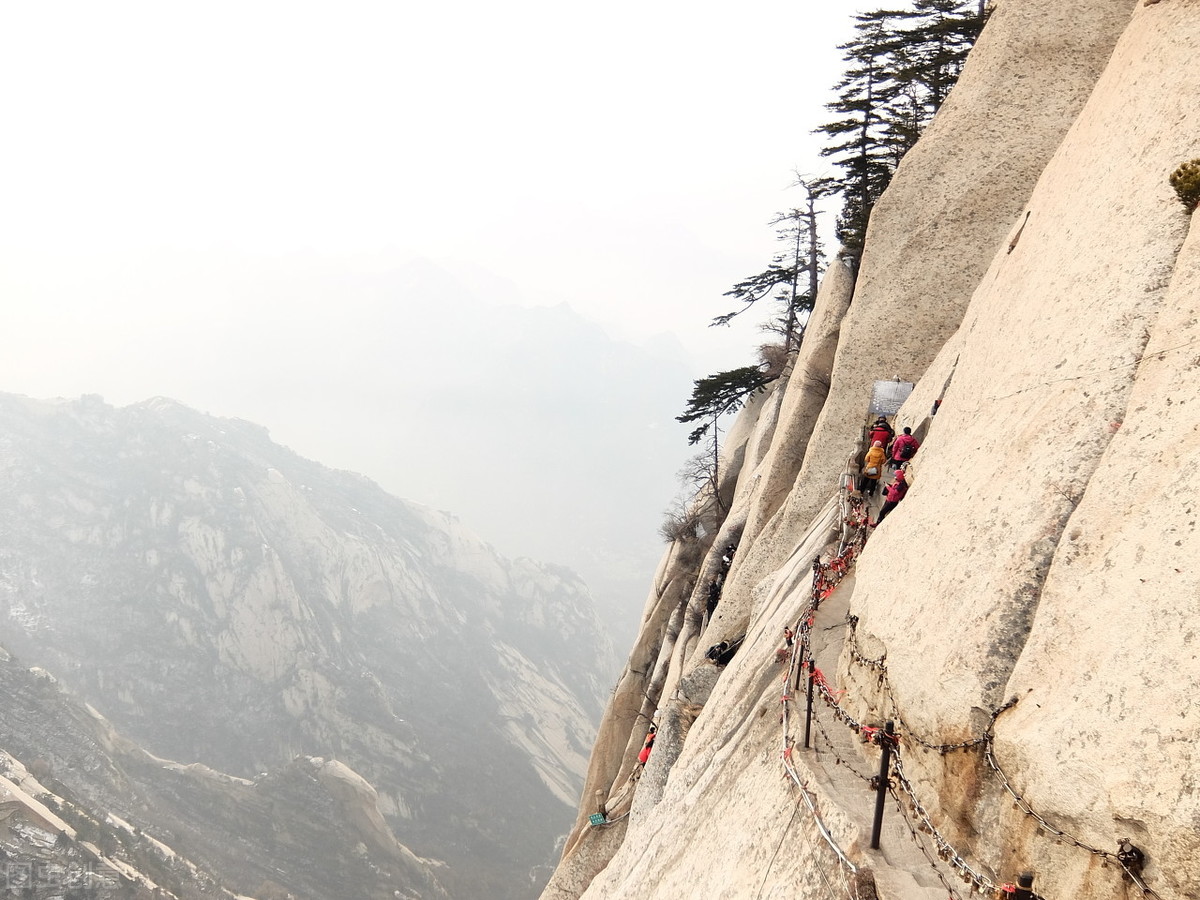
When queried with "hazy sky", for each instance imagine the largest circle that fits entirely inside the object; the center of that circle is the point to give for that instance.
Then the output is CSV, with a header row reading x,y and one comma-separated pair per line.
x,y
181,183
622,157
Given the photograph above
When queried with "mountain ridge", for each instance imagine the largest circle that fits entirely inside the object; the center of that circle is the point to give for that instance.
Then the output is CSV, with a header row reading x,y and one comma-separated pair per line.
x,y
224,601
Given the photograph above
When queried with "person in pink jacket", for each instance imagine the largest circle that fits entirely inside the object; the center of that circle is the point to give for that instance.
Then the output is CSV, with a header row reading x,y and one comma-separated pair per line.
x,y
904,448
894,494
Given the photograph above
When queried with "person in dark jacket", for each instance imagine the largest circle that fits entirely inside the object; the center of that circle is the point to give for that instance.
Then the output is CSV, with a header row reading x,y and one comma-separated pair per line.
x,y
894,494
714,597
727,557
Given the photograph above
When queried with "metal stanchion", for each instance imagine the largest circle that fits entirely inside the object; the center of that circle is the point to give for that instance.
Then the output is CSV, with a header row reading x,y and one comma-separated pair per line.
x,y
885,759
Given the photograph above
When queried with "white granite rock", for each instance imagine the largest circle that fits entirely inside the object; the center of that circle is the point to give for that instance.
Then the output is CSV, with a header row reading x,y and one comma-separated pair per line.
x,y
1032,267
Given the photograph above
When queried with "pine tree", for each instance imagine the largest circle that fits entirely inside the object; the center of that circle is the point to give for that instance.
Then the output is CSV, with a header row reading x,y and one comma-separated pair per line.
x,y
937,43
866,94
902,65
716,395
794,272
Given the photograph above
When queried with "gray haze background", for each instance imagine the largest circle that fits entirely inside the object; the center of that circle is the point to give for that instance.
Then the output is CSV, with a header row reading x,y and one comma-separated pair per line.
x,y
467,249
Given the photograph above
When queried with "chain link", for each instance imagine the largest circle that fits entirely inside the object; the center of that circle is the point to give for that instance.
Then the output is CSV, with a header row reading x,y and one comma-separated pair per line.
x,y
826,577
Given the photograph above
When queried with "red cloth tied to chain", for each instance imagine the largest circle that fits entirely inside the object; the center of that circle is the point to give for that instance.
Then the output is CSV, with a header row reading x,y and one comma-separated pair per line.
x,y
818,678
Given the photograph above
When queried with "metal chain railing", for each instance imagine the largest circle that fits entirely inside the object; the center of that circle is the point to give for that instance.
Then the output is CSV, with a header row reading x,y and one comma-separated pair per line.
x,y
826,577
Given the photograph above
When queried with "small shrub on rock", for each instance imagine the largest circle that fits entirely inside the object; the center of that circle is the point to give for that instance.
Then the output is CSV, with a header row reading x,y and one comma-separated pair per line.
x,y
1186,182
673,529
680,524
774,359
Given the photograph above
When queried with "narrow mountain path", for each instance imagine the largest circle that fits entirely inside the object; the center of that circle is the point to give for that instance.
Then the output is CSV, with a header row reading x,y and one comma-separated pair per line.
x,y
834,761
842,765
832,758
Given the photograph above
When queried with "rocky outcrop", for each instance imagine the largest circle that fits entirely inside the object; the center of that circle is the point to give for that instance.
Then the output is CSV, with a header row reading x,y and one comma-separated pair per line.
x,y
1026,615
95,815
235,608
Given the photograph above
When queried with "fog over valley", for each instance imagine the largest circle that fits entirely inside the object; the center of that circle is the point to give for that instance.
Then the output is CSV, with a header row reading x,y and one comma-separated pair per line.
x,y
338,396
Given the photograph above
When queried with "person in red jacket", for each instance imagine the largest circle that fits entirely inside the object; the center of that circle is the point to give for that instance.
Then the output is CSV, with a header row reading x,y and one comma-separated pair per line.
x,y
646,747
894,494
904,448
881,431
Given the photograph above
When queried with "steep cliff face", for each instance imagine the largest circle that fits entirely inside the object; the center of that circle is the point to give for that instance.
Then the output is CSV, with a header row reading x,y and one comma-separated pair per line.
x,y
223,601
1026,615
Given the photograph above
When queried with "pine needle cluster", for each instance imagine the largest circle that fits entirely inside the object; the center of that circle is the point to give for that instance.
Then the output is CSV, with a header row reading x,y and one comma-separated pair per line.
x,y
900,67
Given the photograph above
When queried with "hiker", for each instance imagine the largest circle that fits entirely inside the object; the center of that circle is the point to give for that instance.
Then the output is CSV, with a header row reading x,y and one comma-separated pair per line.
x,y
881,431
727,559
714,596
729,649
716,651
894,494
872,469
646,747
784,653
720,654
904,448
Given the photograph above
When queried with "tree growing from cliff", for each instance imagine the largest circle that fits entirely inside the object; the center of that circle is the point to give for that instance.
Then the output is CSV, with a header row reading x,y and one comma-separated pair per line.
x,y
685,520
713,397
937,42
861,139
901,66
716,395
793,274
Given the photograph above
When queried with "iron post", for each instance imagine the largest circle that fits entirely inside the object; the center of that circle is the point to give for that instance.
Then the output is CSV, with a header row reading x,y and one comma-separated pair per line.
x,y
808,709
885,759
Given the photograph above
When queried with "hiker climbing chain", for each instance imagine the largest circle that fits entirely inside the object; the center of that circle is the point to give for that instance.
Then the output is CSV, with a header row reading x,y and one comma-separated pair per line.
x,y
946,862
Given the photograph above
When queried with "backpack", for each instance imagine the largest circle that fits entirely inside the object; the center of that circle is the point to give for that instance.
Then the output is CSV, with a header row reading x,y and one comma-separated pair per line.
x,y
907,450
